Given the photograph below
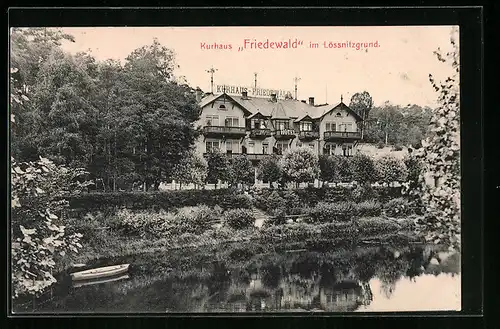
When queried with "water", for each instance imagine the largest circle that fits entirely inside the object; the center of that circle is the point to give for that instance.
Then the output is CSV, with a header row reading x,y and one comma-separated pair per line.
x,y
254,278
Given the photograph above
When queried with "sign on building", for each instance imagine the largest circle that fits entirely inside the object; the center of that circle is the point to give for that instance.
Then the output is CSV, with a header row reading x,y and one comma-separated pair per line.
x,y
238,90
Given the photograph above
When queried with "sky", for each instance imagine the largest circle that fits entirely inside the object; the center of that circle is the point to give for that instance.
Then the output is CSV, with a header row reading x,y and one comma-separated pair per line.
x,y
396,71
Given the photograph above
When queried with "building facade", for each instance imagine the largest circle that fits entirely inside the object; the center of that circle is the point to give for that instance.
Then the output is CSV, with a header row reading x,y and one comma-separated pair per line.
x,y
261,126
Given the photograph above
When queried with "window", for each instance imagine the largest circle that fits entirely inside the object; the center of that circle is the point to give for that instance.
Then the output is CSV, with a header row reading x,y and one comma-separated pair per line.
x,y
265,148
342,127
349,127
282,125
251,147
329,149
258,124
330,126
282,147
212,120
306,126
231,122
349,150
232,146
338,115
212,146
222,107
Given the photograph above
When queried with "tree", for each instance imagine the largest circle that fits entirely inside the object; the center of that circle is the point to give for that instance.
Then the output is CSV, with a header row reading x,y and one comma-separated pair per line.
x,y
389,170
191,169
300,165
363,169
440,155
218,166
125,123
343,171
269,170
328,168
362,104
241,171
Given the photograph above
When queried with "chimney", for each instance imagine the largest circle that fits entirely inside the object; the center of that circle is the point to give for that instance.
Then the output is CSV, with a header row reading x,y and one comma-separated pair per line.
x,y
199,94
311,101
273,97
244,94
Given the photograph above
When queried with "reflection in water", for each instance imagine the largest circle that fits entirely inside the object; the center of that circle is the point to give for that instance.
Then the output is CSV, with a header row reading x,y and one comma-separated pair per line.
x,y
369,279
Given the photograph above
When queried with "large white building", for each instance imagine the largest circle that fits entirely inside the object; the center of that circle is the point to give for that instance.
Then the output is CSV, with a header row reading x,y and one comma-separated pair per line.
x,y
259,126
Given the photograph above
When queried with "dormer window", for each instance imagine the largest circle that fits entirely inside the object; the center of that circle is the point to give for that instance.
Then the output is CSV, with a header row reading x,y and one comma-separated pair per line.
x,y
258,124
306,126
282,124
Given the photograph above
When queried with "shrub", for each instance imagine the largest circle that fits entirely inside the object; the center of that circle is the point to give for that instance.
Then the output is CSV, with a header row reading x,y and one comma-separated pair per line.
x,y
191,169
217,165
363,192
344,170
167,200
398,147
380,145
329,212
300,165
338,194
194,220
390,169
240,171
363,169
238,201
269,169
399,207
146,224
338,230
377,225
368,208
327,166
239,218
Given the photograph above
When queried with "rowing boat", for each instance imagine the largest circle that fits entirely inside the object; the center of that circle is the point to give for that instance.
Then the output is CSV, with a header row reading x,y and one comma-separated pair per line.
x,y
82,283
101,272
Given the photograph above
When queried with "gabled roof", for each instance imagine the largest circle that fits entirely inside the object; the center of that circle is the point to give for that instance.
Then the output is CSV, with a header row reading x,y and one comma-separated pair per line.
x,y
256,114
211,98
340,106
284,109
305,116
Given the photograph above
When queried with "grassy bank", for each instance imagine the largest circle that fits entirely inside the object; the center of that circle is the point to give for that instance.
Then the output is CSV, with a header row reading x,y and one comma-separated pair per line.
x,y
111,236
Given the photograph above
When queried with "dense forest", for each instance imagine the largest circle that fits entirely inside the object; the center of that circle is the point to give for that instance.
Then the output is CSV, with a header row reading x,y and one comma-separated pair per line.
x,y
125,123
391,124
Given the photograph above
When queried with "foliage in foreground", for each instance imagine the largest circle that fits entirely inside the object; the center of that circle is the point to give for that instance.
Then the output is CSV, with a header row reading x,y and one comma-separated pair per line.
x,y
38,234
440,156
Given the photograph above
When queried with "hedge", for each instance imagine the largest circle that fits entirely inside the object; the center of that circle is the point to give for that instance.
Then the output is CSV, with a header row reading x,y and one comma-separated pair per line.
x,y
226,199
272,199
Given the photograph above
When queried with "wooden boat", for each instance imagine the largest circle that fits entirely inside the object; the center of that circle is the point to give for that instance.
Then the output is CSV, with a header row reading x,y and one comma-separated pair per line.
x,y
82,283
101,272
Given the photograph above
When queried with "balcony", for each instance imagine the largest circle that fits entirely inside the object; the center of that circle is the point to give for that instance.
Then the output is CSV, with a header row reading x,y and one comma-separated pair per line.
x,y
308,135
223,131
260,133
284,134
341,135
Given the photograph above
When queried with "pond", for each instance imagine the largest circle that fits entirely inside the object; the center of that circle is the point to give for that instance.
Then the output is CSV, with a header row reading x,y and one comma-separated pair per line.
x,y
249,278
